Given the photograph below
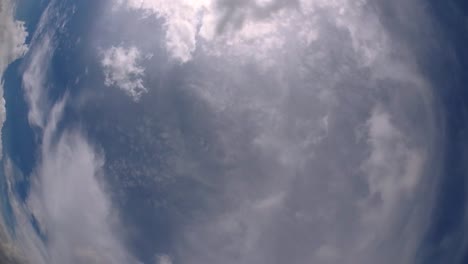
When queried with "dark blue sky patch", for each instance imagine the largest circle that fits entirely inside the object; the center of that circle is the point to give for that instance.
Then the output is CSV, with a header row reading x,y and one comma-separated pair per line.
x,y
19,139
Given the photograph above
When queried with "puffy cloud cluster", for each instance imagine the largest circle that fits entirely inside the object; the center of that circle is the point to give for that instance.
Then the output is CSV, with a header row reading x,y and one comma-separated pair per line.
x,y
121,69
12,34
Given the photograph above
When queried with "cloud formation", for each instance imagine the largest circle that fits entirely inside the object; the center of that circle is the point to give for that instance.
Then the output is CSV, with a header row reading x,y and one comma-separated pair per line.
x,y
317,133
12,39
12,34
163,259
12,46
181,22
315,157
121,69
288,138
67,194
188,22
221,27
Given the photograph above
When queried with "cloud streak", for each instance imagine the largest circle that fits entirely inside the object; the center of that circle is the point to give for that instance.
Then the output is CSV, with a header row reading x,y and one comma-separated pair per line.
x,y
67,194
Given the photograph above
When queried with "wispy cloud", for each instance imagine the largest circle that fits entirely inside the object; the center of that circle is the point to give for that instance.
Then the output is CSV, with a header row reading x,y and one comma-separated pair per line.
x,y
67,193
12,46
34,80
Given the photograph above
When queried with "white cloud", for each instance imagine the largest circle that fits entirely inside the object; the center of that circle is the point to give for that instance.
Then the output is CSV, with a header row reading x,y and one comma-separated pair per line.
x,y
163,259
181,22
187,21
25,246
34,80
257,29
121,69
289,90
393,167
12,46
270,202
67,193
68,199
325,65
12,35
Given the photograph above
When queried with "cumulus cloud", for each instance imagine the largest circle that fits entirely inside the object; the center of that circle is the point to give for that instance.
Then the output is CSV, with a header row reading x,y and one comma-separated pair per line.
x,y
12,34
234,14
188,21
181,22
221,27
121,69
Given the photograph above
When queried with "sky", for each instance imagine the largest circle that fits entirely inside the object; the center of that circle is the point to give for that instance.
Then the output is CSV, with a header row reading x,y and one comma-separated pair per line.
x,y
233,131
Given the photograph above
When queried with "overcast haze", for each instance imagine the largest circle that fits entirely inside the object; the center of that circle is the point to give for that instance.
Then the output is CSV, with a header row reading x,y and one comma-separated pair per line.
x,y
233,131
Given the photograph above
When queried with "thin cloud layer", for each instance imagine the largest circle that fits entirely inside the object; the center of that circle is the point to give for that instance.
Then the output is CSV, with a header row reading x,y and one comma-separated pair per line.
x,y
287,132
312,154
